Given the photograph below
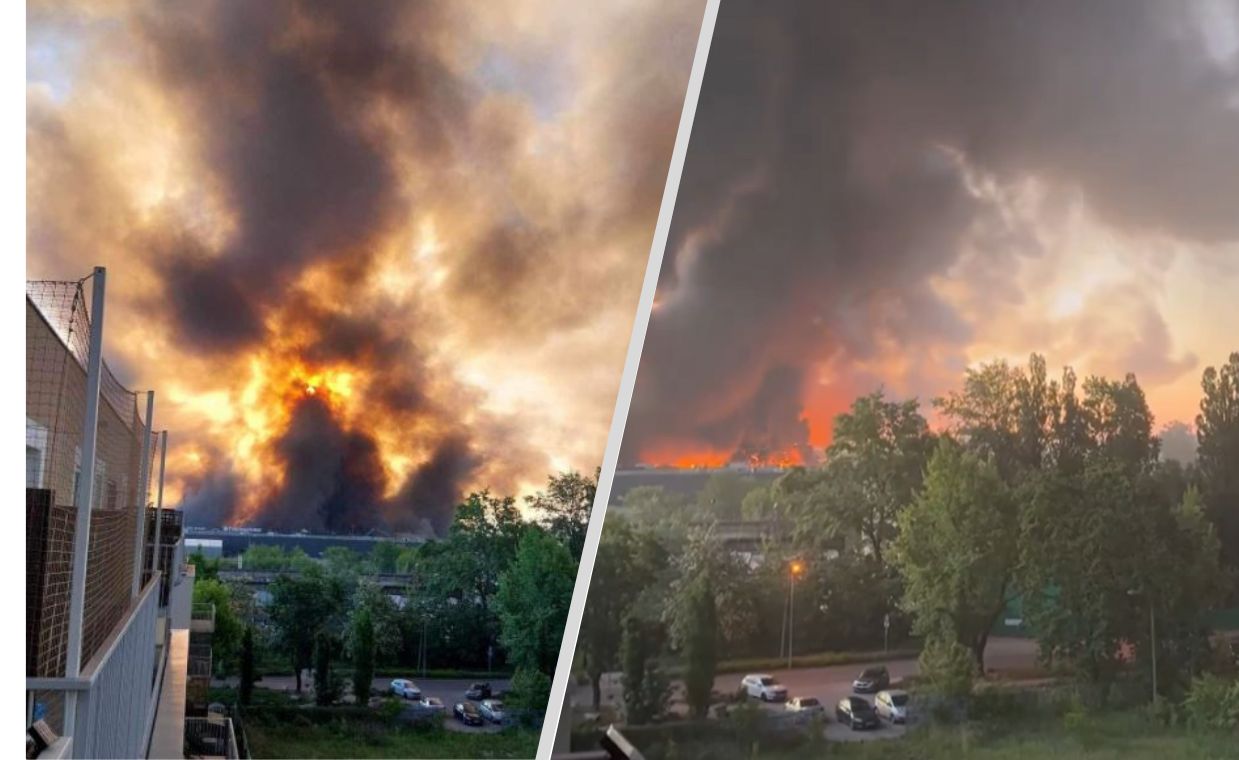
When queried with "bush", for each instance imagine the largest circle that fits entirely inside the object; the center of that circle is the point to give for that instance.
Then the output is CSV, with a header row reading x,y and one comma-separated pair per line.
x,y
1213,703
948,668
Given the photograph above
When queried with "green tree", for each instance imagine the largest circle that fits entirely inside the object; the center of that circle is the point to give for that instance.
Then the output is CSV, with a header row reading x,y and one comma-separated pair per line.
x,y
383,557
533,598
699,643
226,637
627,563
204,569
722,496
646,688
303,606
564,507
246,687
957,549
264,557
363,654
1217,429
326,685
874,466
1120,422
531,692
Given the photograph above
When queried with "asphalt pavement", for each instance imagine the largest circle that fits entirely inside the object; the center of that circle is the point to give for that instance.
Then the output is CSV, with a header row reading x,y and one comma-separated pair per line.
x,y
829,684
449,690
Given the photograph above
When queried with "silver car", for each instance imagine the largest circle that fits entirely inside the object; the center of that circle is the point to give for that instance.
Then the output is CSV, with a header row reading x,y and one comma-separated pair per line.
x,y
892,705
492,710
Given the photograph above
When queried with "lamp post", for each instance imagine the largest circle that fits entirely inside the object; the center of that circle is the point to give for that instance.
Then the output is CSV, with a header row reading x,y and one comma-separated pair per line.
x,y
794,571
1152,639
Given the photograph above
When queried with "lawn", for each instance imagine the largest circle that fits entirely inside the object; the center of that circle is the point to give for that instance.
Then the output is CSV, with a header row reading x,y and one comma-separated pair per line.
x,y
341,739
1114,736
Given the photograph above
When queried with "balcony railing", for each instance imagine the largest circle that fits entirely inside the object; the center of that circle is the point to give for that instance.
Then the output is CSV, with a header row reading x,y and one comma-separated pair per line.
x,y
113,695
212,736
202,618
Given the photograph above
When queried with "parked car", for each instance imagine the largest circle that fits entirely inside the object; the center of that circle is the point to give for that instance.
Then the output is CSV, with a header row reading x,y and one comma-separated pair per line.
x,y
811,705
478,691
857,713
467,713
402,687
492,710
872,679
764,687
892,705
433,704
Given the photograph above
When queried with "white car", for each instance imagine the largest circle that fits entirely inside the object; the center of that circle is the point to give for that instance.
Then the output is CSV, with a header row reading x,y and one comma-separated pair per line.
x,y
402,687
892,705
764,687
810,705
492,710
433,704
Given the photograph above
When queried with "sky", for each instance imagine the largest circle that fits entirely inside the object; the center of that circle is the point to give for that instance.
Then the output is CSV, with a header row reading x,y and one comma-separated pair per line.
x,y
370,256
884,194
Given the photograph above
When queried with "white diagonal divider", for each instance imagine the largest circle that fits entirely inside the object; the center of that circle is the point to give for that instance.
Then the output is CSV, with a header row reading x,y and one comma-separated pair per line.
x,y
623,401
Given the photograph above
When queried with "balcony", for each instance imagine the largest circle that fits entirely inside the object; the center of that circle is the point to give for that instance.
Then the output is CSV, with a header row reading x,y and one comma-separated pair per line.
x,y
202,618
212,736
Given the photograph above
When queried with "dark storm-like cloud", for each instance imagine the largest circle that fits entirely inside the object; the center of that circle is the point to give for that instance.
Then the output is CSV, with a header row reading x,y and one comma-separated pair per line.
x,y
826,180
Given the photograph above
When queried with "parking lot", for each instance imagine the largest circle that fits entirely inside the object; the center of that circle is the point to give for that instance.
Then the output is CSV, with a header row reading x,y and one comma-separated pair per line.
x,y
448,690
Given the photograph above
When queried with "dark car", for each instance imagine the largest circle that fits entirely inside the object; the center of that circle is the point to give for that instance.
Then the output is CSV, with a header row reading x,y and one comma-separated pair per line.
x,y
478,691
856,713
467,713
872,679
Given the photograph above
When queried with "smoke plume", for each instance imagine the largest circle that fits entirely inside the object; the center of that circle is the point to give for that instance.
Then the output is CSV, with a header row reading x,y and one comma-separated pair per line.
x,y
874,189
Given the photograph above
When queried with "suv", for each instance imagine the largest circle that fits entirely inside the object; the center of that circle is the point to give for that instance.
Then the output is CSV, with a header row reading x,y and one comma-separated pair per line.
x,y
871,680
764,687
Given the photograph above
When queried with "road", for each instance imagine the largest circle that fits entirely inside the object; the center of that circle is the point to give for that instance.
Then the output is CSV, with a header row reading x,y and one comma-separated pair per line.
x,y
449,690
829,684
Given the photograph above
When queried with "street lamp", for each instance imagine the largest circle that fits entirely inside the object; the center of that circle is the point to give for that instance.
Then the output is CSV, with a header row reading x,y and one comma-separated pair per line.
x,y
794,571
1152,639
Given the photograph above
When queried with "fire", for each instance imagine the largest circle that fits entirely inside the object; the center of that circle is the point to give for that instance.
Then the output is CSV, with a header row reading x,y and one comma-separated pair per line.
x,y
686,456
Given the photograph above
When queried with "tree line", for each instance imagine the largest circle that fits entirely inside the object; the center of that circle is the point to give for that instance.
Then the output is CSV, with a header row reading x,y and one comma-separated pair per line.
x,y
493,594
1046,491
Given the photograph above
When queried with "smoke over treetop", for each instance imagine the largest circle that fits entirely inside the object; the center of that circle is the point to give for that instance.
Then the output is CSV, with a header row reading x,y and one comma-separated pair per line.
x,y
362,273
884,193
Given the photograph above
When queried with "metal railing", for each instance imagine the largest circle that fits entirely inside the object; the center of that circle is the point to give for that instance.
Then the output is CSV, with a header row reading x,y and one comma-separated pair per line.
x,y
212,736
113,692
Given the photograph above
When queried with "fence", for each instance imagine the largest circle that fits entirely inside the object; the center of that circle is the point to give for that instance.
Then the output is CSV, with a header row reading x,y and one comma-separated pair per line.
x,y
57,344
118,650
108,725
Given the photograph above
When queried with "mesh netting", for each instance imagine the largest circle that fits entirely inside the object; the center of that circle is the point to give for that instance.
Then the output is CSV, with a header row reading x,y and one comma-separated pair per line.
x,y
57,347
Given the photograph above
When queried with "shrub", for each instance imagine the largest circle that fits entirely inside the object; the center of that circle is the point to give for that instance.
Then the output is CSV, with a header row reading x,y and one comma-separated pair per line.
x,y
948,668
1213,703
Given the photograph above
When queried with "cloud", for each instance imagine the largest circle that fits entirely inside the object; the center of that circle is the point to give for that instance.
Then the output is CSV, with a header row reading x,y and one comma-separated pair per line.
x,y
867,182
357,254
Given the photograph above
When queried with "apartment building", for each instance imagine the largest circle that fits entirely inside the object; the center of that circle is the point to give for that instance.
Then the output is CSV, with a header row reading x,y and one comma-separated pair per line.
x,y
108,593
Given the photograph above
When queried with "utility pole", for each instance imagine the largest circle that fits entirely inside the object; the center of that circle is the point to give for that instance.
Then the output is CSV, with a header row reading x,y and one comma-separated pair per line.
x,y
83,497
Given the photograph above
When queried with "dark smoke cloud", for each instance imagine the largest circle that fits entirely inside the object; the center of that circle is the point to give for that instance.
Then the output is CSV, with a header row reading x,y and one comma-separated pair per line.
x,y
439,210
826,183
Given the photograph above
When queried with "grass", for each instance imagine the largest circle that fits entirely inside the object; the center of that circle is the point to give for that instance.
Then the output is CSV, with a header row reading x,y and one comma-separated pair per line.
x,y
286,740
1116,736
1109,736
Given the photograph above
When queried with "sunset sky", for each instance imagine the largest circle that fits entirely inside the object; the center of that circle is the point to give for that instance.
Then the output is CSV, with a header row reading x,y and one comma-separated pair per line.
x,y
369,255
886,193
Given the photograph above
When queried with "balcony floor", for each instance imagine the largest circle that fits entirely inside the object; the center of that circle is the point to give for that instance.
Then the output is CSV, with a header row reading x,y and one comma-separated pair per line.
x,y
168,738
